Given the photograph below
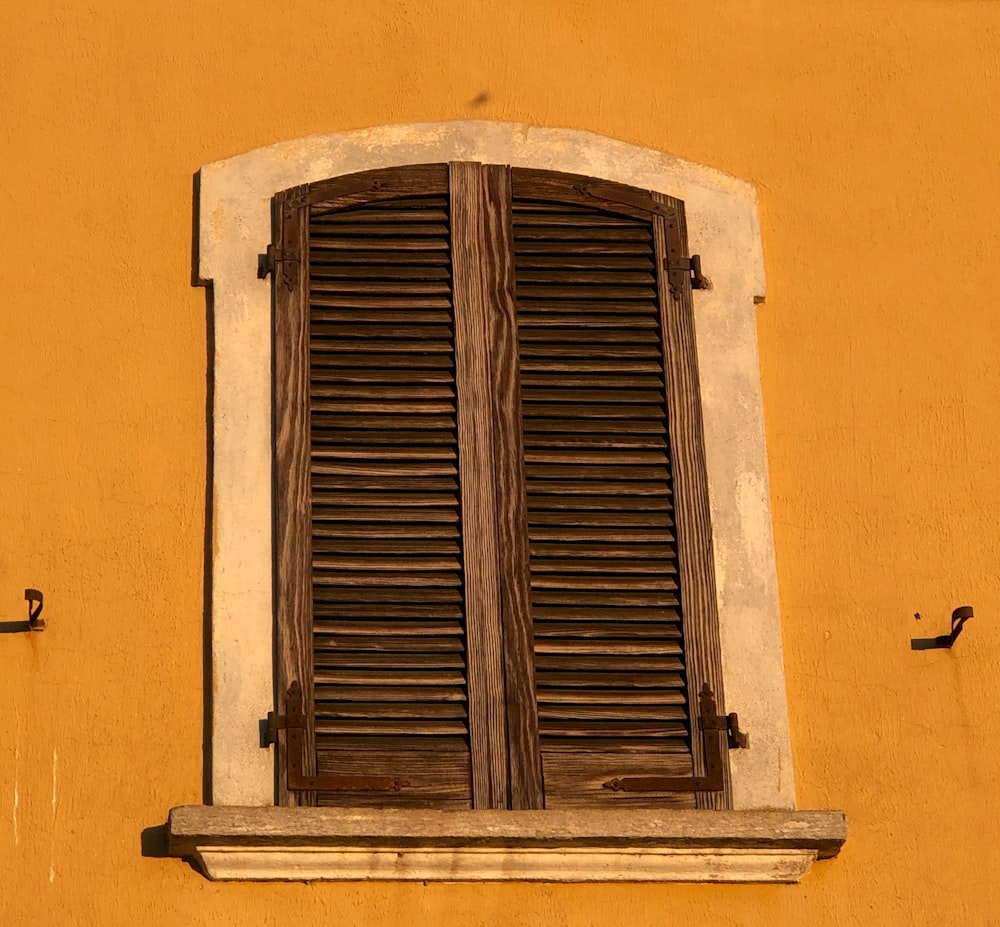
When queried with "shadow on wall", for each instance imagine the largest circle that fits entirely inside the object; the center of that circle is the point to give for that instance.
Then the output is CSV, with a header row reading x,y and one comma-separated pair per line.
x,y
206,645
154,842
14,627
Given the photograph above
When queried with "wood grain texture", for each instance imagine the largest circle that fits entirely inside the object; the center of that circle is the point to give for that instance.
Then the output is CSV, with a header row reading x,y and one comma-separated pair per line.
x,y
541,189
512,526
294,491
692,514
436,779
377,185
576,785
487,696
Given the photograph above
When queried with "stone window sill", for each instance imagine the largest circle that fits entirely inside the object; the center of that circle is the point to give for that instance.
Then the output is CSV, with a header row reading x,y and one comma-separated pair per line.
x,y
313,844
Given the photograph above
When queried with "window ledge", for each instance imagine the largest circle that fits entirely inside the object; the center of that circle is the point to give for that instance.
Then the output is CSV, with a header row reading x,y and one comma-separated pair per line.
x,y
312,844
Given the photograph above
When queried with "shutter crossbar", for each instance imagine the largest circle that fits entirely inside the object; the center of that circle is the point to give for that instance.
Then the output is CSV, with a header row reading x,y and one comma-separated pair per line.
x,y
713,781
293,723
634,198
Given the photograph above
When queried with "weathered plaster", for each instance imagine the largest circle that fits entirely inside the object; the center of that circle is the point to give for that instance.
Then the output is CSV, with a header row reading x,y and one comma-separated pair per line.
x,y
474,864
723,228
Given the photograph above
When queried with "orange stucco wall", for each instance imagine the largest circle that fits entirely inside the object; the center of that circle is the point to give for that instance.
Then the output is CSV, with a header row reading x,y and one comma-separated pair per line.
x,y
869,130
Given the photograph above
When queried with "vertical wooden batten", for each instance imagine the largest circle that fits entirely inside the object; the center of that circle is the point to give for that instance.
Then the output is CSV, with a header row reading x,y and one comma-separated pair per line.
x,y
694,524
477,454
293,510
512,526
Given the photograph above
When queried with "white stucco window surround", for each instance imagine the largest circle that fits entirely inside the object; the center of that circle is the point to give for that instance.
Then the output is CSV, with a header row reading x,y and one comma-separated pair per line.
x,y
234,222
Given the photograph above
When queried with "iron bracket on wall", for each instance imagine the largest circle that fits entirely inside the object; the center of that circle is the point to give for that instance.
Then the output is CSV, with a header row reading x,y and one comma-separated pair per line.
x,y
36,602
266,262
293,723
281,260
270,259
944,641
714,779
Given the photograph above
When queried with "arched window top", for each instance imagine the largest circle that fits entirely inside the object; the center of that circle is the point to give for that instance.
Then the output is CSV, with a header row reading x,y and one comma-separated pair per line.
x,y
723,224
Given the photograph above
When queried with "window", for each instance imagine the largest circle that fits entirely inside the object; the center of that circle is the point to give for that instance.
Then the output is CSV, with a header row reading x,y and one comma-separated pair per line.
x,y
242,834
495,577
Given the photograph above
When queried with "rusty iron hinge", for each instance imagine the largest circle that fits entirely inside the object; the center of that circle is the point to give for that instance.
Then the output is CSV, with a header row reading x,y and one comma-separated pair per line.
x,y
293,723
281,260
635,199
267,264
691,266
714,779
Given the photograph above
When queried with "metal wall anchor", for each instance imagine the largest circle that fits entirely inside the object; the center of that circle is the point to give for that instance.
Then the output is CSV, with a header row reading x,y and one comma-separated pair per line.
x,y
34,598
944,641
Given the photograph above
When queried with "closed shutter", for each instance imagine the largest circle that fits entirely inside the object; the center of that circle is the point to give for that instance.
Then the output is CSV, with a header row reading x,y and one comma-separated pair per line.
x,y
494,567
387,672
613,692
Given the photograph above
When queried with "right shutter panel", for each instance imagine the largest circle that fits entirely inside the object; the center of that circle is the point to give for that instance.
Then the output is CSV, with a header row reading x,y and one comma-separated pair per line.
x,y
612,691
390,678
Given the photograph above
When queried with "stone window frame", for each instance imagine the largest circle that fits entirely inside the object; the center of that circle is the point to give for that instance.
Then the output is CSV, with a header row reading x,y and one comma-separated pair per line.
x,y
234,226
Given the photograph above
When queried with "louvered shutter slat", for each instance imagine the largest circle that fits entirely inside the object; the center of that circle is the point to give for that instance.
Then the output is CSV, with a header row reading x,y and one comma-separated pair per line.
x,y
327,261
419,249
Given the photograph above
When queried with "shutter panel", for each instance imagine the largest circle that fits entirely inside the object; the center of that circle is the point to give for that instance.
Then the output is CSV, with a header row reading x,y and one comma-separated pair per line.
x,y
610,623
494,550
388,668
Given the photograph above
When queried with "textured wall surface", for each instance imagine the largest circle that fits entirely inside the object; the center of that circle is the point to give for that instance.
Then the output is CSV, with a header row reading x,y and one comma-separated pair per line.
x,y
869,132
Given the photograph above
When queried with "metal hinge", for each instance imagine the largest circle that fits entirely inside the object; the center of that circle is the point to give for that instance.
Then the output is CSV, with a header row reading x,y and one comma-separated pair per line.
x,y
692,266
268,262
265,262
293,723
735,738
714,778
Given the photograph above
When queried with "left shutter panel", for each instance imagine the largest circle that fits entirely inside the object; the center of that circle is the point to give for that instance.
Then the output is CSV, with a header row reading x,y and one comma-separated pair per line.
x,y
383,664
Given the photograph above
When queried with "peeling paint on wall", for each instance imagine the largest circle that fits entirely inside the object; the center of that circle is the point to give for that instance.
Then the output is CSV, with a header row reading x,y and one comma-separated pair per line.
x,y
55,792
17,766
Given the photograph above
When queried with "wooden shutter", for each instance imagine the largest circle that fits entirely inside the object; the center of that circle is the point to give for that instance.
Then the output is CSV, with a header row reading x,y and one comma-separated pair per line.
x,y
381,650
621,581
490,468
